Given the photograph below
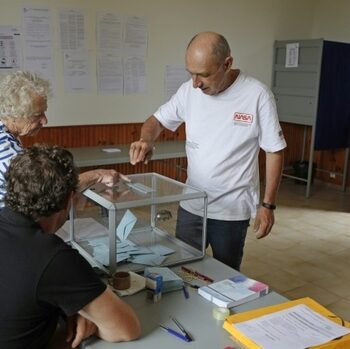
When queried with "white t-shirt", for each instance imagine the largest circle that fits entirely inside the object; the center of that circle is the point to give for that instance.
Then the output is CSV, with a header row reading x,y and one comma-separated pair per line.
x,y
223,136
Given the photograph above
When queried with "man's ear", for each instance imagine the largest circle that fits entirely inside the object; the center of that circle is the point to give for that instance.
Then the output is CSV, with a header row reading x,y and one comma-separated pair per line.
x,y
228,63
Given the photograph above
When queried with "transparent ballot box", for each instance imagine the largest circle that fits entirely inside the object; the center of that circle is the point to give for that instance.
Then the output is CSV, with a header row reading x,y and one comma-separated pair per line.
x,y
135,225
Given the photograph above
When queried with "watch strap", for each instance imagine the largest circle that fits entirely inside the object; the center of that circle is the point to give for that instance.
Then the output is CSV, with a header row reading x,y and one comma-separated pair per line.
x,y
268,206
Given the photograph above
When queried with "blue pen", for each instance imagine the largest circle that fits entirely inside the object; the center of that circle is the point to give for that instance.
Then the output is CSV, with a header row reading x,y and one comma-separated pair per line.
x,y
186,294
175,333
185,332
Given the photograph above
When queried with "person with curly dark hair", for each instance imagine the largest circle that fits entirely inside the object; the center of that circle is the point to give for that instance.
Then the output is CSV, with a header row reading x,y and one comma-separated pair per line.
x,y
40,181
41,276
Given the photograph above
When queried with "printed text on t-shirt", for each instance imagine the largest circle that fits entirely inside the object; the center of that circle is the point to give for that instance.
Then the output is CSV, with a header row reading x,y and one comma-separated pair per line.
x,y
243,117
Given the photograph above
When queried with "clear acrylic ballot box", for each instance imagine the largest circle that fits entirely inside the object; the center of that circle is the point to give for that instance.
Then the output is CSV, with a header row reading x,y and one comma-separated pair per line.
x,y
134,225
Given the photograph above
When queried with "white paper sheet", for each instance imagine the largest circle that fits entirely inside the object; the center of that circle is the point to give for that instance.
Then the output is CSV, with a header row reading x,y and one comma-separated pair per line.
x,y
148,259
292,55
109,43
134,76
76,67
110,72
10,47
135,38
109,32
175,75
111,150
72,29
161,250
84,228
126,224
298,327
38,42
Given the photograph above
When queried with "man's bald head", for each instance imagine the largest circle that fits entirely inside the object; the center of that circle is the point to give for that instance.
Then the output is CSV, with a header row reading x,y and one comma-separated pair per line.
x,y
211,45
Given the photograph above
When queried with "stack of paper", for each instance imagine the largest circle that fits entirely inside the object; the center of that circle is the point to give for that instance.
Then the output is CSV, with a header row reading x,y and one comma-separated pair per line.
x,y
297,324
171,281
234,291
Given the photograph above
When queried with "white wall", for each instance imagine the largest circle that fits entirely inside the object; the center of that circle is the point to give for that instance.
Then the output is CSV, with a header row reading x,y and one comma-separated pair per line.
x,y
331,20
251,26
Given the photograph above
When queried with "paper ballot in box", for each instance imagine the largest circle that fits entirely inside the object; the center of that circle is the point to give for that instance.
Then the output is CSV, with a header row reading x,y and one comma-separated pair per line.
x,y
139,222
298,324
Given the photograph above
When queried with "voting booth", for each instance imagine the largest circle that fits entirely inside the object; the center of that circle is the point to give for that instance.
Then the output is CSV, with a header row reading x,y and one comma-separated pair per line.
x,y
133,225
311,80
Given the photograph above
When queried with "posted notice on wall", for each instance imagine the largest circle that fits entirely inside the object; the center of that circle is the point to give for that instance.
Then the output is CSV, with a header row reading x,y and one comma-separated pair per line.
x,y
292,55
10,47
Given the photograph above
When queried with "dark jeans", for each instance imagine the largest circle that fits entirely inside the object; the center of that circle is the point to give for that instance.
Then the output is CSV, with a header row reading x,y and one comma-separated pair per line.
x,y
226,238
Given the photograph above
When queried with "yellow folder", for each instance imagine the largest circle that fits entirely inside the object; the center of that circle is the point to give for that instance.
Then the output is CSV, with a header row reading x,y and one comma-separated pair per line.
x,y
237,336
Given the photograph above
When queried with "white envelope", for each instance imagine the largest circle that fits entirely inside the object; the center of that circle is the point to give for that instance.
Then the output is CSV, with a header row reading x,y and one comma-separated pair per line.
x,y
126,224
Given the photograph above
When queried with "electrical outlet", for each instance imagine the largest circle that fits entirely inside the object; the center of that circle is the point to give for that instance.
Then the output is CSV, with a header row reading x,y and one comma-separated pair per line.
x,y
332,175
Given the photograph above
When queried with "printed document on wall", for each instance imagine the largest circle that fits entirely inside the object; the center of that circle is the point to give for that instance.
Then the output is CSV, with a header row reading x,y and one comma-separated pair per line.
x,y
135,38
292,55
175,76
76,67
109,72
109,53
134,76
72,29
10,47
38,42
109,32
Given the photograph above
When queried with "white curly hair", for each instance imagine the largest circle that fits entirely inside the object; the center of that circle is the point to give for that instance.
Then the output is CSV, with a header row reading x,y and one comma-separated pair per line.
x,y
16,94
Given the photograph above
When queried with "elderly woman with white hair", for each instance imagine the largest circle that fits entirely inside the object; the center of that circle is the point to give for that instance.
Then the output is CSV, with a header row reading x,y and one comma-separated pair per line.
x,y
23,104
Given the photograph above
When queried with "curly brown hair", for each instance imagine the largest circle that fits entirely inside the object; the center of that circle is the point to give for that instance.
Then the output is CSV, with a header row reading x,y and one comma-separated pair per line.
x,y
39,180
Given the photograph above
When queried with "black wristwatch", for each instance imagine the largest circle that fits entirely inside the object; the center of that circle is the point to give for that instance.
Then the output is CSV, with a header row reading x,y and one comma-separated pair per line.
x,y
269,206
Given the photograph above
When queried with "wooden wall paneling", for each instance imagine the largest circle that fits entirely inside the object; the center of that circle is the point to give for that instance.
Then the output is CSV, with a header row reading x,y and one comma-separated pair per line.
x,y
326,160
294,137
94,135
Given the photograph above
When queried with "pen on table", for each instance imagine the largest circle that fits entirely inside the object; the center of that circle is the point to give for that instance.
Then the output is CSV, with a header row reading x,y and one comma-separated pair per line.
x,y
175,333
185,290
182,329
196,273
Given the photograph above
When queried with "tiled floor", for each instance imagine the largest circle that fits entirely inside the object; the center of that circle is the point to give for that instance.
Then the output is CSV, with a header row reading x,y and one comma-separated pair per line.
x,y
308,251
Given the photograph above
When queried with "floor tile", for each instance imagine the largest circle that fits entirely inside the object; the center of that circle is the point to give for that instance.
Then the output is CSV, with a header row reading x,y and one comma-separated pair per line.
x,y
317,293
308,251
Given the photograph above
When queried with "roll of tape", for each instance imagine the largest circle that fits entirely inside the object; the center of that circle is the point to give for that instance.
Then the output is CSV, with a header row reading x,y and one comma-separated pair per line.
x,y
121,280
220,313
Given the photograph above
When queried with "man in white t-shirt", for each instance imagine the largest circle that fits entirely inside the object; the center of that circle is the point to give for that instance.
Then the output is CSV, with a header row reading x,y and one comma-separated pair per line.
x,y
229,116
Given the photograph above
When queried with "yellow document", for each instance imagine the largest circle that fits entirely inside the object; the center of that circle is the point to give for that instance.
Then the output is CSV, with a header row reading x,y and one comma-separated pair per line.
x,y
339,343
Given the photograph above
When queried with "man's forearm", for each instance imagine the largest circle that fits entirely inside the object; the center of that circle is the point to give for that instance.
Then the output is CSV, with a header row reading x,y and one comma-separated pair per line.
x,y
151,129
274,166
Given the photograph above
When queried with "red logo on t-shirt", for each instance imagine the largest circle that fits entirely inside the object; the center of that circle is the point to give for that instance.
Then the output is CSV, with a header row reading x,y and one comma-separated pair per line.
x,y
242,117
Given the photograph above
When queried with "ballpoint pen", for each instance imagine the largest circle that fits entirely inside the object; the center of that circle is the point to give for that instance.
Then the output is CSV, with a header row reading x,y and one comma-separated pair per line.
x,y
185,291
176,334
185,332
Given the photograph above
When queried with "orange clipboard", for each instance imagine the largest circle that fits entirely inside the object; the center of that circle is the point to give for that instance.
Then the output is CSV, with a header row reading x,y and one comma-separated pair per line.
x,y
339,343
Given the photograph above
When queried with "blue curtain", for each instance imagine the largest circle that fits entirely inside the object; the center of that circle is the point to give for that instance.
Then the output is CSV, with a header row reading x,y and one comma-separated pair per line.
x,y
333,115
